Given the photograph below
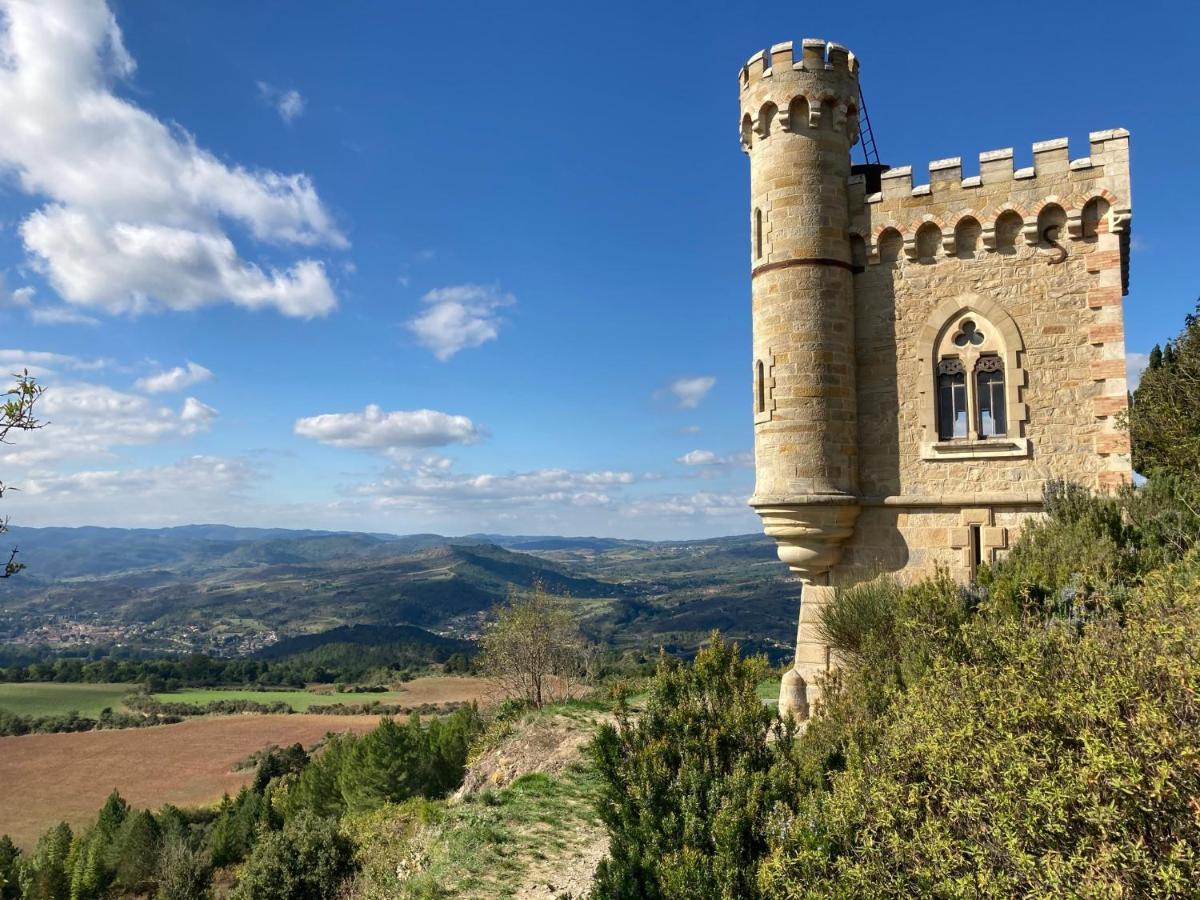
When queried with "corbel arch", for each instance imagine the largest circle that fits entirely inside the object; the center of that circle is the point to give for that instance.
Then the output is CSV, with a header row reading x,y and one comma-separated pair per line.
x,y
999,342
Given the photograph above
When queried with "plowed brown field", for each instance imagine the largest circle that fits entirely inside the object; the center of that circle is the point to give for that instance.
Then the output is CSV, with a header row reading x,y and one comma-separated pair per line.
x,y
46,778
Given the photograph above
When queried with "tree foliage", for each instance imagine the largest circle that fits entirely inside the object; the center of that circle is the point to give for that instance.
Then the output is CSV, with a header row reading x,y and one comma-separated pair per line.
x,y
306,860
534,650
1164,420
1040,737
687,784
17,414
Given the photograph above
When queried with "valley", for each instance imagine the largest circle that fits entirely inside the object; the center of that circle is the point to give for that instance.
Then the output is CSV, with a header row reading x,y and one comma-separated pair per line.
x,y
246,592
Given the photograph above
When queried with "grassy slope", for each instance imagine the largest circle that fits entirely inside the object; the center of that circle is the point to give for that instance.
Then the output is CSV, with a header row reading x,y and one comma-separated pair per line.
x,y
41,699
537,836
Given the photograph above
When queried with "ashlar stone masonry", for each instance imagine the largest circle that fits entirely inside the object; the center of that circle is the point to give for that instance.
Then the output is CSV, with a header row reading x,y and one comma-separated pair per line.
x,y
926,357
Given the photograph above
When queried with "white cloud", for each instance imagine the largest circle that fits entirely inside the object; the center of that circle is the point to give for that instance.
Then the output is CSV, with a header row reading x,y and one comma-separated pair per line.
x,y
1135,365
710,459
424,484
459,317
688,392
175,379
698,458
42,362
289,104
193,489
60,315
389,432
89,420
688,506
135,209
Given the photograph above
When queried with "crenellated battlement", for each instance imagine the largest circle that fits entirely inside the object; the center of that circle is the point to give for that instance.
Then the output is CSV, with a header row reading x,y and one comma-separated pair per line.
x,y
799,94
816,55
1000,206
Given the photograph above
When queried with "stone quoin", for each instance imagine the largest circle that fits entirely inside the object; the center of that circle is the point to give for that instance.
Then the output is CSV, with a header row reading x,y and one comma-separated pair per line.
x,y
925,358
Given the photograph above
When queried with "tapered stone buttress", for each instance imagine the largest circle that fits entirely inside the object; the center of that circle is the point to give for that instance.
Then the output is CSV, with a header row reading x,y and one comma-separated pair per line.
x,y
799,120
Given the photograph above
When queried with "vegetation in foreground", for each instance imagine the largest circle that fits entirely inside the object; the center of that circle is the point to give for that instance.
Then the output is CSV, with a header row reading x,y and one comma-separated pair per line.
x,y
279,836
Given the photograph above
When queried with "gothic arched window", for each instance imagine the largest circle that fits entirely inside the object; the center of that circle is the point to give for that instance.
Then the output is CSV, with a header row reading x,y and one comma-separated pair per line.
x,y
952,399
989,395
971,402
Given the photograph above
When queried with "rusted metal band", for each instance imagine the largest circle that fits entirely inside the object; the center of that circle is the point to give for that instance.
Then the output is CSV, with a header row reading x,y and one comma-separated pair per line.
x,y
800,261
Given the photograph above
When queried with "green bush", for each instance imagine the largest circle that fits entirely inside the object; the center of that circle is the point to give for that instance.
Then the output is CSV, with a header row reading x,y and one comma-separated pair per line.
x,y
686,785
307,860
1053,759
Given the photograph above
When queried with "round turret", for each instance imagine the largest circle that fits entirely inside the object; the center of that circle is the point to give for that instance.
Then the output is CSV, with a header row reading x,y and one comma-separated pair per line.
x,y
799,120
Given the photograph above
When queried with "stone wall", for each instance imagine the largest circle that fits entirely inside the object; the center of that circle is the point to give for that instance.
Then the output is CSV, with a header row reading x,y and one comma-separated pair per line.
x,y
977,249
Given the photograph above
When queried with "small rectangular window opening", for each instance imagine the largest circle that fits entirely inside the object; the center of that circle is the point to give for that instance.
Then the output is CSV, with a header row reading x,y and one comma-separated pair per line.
x,y
976,550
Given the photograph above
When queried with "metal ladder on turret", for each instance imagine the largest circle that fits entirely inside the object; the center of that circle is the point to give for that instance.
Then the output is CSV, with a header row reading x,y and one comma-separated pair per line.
x,y
866,136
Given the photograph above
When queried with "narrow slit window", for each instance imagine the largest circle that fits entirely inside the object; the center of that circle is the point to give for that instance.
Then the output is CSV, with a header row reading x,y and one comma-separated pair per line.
x,y
758,236
760,386
976,549
989,388
952,400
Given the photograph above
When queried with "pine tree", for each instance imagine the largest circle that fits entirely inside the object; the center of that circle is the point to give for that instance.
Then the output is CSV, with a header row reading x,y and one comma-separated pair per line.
x,y
1156,358
137,848
317,789
385,765
112,813
9,860
44,876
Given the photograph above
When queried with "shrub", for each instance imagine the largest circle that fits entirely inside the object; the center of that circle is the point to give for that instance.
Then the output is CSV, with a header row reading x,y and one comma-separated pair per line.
x,y
183,871
685,785
1053,759
307,860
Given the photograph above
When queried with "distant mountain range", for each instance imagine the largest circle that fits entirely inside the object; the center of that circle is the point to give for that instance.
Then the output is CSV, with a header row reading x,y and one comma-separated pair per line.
x,y
235,590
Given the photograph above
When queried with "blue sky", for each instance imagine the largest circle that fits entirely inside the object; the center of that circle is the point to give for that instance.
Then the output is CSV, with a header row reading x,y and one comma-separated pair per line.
x,y
475,266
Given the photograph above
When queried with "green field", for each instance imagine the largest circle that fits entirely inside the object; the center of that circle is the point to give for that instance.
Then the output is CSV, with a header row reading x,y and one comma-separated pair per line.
x,y
769,690
41,699
297,700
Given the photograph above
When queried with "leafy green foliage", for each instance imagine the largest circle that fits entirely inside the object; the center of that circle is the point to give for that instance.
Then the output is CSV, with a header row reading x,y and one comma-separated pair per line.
x,y
387,765
43,875
687,785
306,860
1045,758
534,649
1164,421
969,746
9,856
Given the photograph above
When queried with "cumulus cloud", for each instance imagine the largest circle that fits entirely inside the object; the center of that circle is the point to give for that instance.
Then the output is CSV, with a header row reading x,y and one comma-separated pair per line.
x,y
688,392
288,103
459,317
175,379
90,420
395,432
1135,365
135,209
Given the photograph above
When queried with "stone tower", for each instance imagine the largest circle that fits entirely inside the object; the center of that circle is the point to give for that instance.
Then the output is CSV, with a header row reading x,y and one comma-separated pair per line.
x,y
799,121
925,358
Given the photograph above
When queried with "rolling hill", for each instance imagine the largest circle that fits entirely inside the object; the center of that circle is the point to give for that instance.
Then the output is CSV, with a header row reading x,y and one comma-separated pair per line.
x,y
239,590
